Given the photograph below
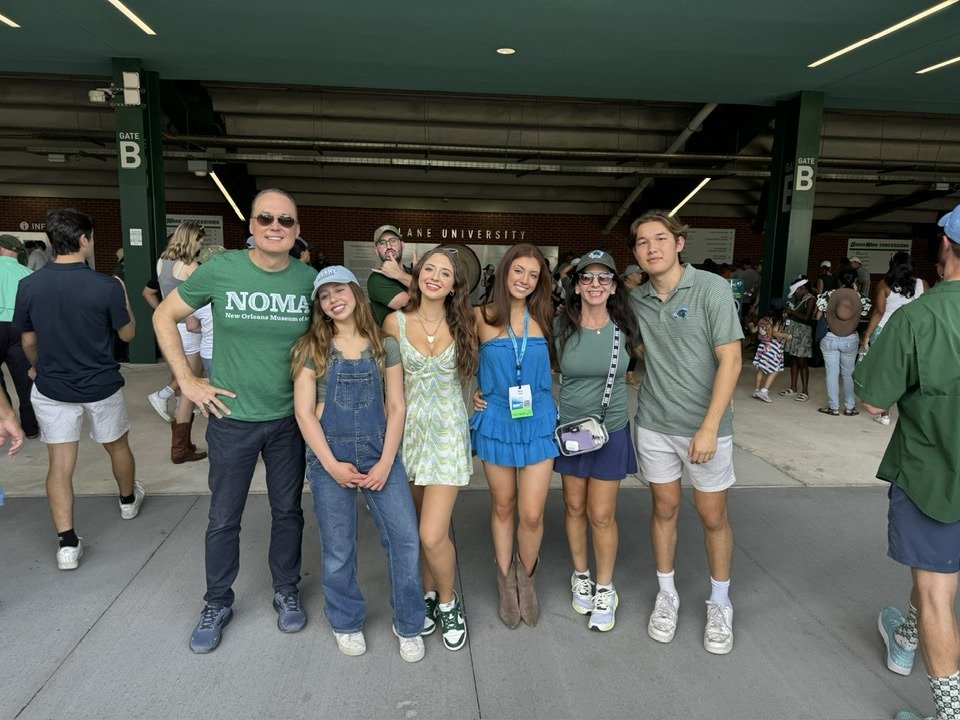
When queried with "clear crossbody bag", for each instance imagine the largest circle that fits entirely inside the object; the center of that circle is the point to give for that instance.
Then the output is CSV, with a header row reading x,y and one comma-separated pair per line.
x,y
588,434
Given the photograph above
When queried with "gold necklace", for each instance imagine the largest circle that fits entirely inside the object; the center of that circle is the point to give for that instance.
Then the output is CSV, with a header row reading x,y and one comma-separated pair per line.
x,y
431,337
590,327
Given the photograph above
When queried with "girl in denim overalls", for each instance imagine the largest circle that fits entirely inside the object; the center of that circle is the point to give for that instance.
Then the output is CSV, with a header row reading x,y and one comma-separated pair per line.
x,y
348,398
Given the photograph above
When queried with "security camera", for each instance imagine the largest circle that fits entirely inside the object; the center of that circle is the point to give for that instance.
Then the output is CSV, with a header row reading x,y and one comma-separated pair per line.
x,y
100,95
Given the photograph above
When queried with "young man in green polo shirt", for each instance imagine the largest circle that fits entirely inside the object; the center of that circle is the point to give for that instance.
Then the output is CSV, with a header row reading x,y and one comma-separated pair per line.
x,y
691,338
915,363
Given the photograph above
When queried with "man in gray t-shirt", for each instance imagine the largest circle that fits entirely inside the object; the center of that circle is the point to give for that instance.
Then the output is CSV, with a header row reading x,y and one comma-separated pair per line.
x,y
691,338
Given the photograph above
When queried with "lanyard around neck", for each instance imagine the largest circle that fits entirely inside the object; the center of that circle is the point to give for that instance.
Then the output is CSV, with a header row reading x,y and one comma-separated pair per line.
x,y
519,353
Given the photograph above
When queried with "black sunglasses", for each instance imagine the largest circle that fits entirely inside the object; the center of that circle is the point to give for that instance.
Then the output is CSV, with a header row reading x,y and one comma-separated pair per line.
x,y
266,219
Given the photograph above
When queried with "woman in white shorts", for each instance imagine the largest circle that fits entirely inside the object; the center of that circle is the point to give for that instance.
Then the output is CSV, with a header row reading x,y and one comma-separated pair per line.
x,y
176,264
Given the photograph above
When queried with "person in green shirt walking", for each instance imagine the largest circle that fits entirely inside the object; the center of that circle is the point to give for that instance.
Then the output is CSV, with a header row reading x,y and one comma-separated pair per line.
x,y
914,364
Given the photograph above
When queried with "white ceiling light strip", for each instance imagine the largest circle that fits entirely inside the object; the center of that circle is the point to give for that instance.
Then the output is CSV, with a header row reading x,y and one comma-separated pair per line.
x,y
883,33
132,17
693,192
226,196
7,21
951,61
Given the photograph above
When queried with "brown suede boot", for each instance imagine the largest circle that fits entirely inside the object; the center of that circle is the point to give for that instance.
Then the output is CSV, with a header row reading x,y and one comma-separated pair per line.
x,y
509,602
180,451
527,591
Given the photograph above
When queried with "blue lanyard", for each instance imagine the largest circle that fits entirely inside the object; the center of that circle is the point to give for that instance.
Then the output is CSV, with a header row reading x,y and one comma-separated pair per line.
x,y
513,338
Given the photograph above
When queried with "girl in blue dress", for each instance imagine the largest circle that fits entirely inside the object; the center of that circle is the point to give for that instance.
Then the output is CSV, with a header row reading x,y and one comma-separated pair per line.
x,y
513,434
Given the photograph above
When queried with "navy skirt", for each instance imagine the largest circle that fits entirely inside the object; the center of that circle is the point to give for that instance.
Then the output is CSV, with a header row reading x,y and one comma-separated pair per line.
x,y
614,461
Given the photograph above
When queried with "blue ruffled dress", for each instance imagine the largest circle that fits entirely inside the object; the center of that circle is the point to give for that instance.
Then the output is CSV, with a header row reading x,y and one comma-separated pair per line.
x,y
495,436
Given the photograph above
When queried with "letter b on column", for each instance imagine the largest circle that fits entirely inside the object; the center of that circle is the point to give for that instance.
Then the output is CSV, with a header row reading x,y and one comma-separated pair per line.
x,y
130,155
804,178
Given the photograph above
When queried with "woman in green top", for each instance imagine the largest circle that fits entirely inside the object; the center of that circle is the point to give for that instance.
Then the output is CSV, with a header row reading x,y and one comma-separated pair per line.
x,y
584,332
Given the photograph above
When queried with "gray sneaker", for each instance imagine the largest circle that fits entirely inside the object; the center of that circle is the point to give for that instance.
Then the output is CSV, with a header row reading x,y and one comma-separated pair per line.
x,y
208,632
290,615
581,588
663,620
605,602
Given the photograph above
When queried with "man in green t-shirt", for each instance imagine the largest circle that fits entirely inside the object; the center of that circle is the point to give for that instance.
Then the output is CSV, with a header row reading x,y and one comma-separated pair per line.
x,y
260,303
388,285
915,363
691,338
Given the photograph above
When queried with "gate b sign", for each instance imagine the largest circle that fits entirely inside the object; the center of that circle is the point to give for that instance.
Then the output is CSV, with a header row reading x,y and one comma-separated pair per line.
x,y
130,150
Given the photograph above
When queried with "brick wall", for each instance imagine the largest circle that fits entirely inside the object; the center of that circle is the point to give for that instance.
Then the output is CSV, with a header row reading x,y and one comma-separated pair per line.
x,y
326,228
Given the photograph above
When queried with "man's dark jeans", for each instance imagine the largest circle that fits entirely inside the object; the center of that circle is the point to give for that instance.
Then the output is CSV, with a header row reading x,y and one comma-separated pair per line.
x,y
234,446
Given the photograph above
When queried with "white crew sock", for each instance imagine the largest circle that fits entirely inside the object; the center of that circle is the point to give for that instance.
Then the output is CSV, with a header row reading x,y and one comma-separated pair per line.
x,y
720,592
165,392
666,583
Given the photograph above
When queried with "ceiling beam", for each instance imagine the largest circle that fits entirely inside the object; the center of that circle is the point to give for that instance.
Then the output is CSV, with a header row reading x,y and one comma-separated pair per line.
x,y
882,208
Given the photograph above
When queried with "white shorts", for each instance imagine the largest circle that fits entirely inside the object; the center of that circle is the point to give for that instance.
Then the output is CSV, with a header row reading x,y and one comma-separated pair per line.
x,y
190,340
663,458
60,422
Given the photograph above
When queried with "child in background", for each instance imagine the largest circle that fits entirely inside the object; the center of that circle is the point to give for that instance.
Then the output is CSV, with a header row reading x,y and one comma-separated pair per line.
x,y
769,356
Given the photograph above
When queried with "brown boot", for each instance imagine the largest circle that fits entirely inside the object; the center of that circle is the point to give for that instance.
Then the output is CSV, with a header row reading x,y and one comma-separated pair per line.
x,y
527,591
190,434
180,451
509,603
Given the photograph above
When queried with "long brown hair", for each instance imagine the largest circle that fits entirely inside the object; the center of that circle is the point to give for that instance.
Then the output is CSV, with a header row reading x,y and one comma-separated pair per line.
x,y
539,302
456,311
315,344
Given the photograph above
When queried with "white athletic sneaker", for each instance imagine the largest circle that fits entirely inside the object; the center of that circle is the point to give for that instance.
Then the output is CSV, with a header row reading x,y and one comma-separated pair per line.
x,y
763,394
160,405
581,590
883,419
718,633
351,643
604,615
411,648
68,558
663,619
130,510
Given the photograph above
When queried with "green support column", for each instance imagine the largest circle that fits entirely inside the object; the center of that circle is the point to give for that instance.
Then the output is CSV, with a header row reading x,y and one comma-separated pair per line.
x,y
793,171
142,212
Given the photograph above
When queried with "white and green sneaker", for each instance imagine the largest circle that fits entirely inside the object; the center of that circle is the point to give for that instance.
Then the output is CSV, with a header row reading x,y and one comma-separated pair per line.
x,y
430,619
452,625
581,589
604,614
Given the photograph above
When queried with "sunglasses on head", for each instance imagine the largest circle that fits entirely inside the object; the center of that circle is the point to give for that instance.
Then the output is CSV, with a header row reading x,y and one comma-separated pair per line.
x,y
266,219
604,278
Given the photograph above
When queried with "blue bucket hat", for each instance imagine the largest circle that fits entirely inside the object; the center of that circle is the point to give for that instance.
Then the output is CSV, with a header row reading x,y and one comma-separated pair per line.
x,y
951,224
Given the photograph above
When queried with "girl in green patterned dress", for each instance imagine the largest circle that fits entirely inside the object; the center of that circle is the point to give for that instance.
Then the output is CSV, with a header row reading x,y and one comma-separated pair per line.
x,y
438,348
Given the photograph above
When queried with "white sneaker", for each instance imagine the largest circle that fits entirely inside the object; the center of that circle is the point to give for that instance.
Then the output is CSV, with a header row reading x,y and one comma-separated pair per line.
x,y
160,405
411,648
581,590
763,394
663,619
352,644
718,633
68,558
883,419
756,393
129,511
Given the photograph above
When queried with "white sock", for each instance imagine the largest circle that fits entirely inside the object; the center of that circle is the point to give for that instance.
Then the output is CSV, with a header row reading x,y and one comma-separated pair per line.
x,y
666,583
719,592
581,575
608,588
447,607
165,392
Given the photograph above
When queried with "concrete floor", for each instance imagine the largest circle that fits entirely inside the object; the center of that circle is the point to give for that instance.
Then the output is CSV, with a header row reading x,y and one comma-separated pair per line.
x,y
810,575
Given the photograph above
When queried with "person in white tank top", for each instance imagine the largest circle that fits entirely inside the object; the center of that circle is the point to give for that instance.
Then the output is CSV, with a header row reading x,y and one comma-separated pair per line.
x,y
899,287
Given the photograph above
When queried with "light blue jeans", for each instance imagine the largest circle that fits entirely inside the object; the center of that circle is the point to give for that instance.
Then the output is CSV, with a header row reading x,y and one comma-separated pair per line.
x,y
839,358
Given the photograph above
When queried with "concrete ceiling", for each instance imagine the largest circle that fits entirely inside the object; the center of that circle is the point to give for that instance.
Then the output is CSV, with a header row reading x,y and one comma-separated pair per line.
x,y
570,124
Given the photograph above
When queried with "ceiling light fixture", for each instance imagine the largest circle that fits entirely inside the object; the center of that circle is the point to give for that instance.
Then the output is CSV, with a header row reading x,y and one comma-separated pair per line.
x,y
131,16
7,21
892,29
226,196
693,192
506,51
951,61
